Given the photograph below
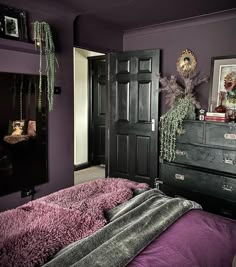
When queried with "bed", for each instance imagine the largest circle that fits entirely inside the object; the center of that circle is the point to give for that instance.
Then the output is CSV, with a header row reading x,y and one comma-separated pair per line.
x,y
115,222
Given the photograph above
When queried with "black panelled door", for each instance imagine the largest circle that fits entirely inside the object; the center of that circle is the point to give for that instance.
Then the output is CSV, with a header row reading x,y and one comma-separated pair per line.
x,y
133,83
98,95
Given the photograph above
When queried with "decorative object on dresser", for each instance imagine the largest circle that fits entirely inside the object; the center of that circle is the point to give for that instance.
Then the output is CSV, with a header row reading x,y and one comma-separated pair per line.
x,y
204,168
201,114
221,108
44,43
182,100
214,116
13,23
223,84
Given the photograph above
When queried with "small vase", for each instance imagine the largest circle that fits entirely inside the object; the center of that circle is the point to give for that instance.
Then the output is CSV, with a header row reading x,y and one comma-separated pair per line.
x,y
220,109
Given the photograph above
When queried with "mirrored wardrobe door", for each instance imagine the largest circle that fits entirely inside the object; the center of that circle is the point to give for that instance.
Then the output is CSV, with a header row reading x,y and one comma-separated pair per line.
x,y
23,132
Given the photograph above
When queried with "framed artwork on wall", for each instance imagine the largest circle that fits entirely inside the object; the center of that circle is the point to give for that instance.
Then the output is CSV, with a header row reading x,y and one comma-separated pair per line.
x,y
223,83
186,63
13,23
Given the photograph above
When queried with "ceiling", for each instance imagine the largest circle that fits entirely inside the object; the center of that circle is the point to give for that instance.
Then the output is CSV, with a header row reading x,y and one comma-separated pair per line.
x,y
130,14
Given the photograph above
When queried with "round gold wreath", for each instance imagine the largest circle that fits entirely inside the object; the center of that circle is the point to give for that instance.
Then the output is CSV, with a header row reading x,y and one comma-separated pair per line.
x,y
186,63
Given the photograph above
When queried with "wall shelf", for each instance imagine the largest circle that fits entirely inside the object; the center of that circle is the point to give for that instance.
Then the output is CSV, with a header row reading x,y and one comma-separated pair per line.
x,y
17,46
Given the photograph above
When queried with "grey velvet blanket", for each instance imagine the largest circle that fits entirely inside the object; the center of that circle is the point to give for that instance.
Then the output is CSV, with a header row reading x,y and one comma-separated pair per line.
x,y
133,225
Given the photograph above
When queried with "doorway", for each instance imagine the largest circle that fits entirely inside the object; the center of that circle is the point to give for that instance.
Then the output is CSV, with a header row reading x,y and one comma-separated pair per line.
x,y
88,130
131,118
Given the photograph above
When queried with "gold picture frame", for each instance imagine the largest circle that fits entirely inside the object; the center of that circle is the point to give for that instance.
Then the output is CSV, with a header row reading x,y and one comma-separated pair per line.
x,y
186,63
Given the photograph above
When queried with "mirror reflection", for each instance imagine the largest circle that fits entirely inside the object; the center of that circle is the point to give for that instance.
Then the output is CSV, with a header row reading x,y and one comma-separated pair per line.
x,y
23,132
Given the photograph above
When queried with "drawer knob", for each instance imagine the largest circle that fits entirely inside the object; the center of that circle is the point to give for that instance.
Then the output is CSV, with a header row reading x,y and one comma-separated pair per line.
x,y
229,161
229,136
228,188
180,152
179,176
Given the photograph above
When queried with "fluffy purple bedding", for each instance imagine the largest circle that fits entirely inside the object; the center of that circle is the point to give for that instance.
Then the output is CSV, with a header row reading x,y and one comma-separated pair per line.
x,y
198,239
31,234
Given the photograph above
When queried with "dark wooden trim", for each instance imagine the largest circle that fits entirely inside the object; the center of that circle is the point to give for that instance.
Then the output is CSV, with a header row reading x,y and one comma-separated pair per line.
x,y
81,166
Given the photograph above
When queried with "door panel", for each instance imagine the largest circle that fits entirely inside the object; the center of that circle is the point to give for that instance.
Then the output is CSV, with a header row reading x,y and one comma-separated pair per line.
x,y
101,96
122,157
123,101
144,102
133,93
142,156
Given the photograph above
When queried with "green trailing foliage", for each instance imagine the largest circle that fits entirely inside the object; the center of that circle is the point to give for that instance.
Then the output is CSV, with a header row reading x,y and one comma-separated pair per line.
x,y
44,43
170,125
182,100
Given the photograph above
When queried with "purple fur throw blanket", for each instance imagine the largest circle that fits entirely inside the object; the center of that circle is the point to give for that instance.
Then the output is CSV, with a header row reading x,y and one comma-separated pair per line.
x,y
31,234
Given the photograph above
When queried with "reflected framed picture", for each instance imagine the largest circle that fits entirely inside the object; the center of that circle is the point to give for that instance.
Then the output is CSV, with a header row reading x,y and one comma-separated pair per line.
x,y
13,23
223,83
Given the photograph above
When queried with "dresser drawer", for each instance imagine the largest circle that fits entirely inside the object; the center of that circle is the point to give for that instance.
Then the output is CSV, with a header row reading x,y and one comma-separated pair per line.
x,y
221,135
194,133
209,184
212,158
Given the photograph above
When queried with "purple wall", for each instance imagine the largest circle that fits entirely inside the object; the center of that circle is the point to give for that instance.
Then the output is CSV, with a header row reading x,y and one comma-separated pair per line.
x,y
94,34
207,37
61,119
91,33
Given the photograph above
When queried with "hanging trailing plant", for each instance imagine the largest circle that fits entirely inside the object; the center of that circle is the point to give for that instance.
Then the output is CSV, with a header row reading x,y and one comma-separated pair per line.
x,y
182,101
44,43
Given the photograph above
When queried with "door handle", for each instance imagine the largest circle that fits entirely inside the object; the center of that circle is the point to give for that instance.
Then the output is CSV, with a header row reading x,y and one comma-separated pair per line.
x,y
153,125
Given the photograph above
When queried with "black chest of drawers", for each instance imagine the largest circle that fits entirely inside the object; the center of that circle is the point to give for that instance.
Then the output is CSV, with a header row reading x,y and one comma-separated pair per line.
x,y
205,166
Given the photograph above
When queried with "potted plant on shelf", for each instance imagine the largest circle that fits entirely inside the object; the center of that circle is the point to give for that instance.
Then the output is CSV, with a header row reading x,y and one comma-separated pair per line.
x,y
44,43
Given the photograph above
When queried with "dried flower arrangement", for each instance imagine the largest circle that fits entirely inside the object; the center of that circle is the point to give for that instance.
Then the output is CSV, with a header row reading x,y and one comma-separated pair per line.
x,y
182,100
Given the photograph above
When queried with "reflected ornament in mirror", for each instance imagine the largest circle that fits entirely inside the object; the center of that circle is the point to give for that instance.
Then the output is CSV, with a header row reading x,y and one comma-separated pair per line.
x,y
186,63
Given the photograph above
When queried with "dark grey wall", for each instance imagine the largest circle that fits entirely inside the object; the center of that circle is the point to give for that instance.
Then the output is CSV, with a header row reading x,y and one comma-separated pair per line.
x,y
94,34
60,132
207,37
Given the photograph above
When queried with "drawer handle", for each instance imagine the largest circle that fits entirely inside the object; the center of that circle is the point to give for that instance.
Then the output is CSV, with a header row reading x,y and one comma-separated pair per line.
x,y
229,161
229,136
180,152
228,188
158,183
179,176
